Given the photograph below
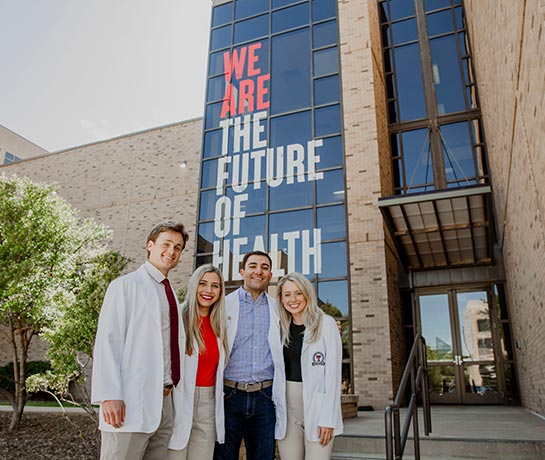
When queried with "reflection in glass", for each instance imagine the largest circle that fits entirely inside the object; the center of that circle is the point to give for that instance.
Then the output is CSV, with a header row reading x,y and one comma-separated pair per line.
x,y
417,158
289,196
333,260
442,380
324,34
290,18
216,88
409,83
431,5
327,120
221,38
449,88
331,153
326,61
256,199
209,173
212,143
245,8
333,298
323,9
440,23
327,90
404,31
330,189
400,9
458,153
345,337
213,112
291,129
215,63
475,332
252,28
480,379
206,237
331,219
279,3
222,14
290,87
207,205
435,318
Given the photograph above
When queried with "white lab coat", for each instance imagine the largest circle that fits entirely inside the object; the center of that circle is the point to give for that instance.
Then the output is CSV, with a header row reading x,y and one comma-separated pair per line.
x,y
232,308
128,356
184,398
321,363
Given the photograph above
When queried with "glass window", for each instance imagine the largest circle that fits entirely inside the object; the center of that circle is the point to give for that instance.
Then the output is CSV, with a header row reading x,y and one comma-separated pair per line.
x,y
327,90
404,31
333,297
333,260
331,153
222,14
207,205
417,158
212,143
252,28
291,129
440,23
326,61
409,83
401,9
449,88
459,15
323,9
245,8
251,227
324,34
213,112
330,189
221,38
430,5
457,152
331,219
209,173
327,120
289,18
256,201
206,237
289,196
290,85
279,3
216,88
216,63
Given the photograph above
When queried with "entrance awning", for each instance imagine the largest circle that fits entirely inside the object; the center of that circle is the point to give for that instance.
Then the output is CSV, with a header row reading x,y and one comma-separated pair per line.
x,y
443,229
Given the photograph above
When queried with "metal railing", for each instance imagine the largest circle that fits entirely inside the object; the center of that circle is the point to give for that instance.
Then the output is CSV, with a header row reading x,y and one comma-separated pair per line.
x,y
415,373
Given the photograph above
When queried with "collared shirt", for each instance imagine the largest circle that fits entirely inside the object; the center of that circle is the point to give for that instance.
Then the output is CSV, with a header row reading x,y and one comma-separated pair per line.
x,y
158,277
251,359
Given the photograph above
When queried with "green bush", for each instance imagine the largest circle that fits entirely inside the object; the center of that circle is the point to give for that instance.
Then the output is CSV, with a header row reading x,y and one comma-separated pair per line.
x,y
32,367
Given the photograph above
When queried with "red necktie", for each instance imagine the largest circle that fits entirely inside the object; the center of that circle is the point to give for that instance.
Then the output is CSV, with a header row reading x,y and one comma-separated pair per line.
x,y
174,347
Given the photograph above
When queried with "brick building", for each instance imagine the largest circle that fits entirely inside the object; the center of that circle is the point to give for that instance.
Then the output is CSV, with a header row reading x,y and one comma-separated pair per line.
x,y
389,150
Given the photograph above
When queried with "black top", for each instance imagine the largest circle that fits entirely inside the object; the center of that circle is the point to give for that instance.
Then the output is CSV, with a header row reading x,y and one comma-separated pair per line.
x,y
292,353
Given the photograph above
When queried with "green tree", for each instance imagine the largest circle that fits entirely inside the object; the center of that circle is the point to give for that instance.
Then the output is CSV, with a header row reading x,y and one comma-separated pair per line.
x,y
71,337
42,243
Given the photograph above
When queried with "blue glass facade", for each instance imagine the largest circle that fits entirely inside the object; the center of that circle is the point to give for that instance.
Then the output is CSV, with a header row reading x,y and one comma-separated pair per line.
x,y
272,174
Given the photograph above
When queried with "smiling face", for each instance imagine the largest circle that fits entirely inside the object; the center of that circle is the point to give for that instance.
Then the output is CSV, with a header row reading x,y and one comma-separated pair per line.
x,y
294,301
208,292
165,251
256,274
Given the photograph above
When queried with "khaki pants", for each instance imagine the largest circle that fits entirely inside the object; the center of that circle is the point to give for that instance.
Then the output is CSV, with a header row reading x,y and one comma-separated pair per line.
x,y
203,430
295,445
140,446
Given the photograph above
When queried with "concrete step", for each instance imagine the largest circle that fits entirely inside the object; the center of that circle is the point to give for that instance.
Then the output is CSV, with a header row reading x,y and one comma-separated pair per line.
x,y
348,447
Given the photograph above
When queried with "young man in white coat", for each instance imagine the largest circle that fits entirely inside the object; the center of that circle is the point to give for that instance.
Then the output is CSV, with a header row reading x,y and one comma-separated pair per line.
x,y
254,379
138,353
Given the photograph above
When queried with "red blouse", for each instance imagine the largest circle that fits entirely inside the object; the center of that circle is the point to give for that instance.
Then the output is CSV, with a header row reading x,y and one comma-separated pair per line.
x,y
209,358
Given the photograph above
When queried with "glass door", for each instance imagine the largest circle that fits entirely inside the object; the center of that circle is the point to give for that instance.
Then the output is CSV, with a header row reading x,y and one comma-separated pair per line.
x,y
460,347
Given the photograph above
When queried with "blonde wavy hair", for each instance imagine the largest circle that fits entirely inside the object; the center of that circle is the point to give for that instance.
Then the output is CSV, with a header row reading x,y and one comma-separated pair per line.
x,y
312,315
192,317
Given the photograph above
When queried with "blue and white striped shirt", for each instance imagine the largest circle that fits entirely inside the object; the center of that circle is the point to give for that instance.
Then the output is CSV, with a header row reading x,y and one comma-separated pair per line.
x,y
251,359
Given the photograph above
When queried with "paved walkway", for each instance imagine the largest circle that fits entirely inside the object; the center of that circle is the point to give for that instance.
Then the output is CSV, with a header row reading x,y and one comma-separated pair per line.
x,y
467,422
46,409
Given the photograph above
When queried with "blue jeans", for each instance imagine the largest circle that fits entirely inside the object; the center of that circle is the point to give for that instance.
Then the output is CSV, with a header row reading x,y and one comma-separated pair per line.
x,y
248,416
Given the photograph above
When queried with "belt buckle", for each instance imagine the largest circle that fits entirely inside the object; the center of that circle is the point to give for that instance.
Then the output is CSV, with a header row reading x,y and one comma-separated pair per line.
x,y
245,386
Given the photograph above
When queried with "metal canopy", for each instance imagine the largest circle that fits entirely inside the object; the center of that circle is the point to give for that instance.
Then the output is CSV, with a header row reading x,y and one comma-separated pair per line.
x,y
444,229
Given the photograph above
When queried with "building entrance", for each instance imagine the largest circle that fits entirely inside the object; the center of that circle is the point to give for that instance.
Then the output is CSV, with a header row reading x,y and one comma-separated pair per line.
x,y
461,338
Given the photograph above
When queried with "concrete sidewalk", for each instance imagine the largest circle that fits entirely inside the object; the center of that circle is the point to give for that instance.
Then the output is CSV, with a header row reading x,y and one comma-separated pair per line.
x,y
45,409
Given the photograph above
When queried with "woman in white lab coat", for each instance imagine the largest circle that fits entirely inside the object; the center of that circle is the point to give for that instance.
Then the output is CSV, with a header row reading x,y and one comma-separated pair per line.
x,y
313,357
198,401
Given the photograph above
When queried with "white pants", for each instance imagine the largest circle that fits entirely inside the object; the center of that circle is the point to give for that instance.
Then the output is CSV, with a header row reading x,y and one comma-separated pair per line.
x,y
295,446
203,430
140,446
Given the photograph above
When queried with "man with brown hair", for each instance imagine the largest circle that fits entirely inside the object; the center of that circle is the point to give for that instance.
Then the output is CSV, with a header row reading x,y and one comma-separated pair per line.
x,y
138,352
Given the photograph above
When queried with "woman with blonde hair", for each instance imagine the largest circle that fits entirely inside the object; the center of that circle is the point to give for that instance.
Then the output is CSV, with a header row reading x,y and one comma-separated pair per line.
x,y
198,401
312,357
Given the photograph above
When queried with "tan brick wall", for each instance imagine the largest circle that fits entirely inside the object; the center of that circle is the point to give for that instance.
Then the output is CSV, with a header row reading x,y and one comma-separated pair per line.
x,y
129,184
509,46
368,178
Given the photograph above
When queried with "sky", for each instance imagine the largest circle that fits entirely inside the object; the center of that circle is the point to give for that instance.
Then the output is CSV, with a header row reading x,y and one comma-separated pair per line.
x,y
79,71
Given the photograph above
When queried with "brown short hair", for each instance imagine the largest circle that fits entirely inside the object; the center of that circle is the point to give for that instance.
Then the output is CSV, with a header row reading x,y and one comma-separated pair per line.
x,y
177,227
255,253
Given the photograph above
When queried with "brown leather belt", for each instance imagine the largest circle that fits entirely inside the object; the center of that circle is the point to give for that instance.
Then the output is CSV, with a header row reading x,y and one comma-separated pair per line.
x,y
167,389
248,387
